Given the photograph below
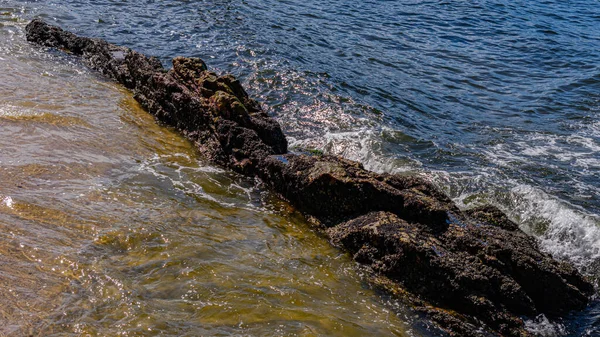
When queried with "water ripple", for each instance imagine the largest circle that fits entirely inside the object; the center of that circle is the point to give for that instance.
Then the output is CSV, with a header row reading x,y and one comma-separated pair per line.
x,y
498,100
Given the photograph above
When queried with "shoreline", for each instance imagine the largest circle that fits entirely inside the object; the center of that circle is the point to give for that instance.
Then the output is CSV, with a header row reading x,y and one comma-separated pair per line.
x,y
387,222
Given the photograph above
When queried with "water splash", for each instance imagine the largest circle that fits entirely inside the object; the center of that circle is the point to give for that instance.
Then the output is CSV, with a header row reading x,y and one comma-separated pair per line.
x,y
567,232
542,327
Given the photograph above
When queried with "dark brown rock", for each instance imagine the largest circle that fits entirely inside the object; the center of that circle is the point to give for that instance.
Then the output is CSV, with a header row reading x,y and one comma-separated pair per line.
x,y
491,215
213,111
335,189
478,270
474,272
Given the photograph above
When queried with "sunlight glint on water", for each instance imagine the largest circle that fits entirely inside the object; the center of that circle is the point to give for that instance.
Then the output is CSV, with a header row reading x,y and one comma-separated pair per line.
x,y
494,101
110,225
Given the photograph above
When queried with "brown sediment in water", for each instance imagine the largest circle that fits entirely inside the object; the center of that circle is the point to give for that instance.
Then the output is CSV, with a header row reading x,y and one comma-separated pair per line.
x,y
464,269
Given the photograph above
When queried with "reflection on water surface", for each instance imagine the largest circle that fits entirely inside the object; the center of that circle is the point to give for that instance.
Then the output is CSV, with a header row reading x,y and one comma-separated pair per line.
x,y
111,225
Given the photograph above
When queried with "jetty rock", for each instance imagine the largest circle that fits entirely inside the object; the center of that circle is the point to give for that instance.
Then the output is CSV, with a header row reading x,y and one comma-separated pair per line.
x,y
473,272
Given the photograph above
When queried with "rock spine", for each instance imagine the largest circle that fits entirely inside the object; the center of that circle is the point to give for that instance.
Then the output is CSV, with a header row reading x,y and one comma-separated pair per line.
x,y
464,269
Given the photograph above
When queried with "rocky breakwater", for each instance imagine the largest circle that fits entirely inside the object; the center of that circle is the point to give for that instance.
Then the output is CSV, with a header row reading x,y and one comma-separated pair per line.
x,y
472,272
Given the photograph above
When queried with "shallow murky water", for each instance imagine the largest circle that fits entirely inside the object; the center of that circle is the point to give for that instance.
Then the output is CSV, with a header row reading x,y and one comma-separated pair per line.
x,y
111,225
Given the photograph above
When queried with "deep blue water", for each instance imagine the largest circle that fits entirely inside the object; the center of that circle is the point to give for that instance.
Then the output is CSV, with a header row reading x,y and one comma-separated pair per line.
x,y
495,101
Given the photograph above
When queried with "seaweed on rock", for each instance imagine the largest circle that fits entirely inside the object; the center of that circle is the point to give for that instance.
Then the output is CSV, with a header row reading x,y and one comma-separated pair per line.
x,y
464,270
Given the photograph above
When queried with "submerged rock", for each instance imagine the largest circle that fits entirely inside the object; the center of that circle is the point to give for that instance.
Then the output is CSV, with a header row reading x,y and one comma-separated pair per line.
x,y
474,273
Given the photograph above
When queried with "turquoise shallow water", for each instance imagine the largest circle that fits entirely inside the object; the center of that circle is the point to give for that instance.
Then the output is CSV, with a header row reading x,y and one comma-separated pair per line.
x,y
495,101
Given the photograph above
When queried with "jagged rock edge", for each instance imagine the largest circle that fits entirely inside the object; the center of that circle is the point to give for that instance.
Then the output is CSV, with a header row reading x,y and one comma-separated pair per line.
x,y
464,269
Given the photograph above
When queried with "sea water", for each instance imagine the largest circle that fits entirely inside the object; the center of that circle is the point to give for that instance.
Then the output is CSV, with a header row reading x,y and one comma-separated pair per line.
x,y
494,101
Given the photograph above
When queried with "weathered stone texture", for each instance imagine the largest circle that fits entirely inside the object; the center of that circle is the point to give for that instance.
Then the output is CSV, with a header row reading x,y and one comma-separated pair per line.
x,y
464,270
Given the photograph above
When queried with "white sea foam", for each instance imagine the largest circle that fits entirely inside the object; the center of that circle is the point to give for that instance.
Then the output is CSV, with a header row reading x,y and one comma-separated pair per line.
x,y
571,233
581,149
542,327
564,230
152,165
8,201
362,145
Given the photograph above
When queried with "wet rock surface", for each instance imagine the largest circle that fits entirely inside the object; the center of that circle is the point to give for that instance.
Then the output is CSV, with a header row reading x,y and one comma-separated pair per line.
x,y
472,268
214,111
464,269
334,189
